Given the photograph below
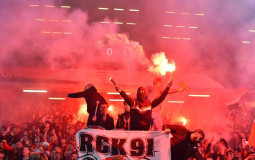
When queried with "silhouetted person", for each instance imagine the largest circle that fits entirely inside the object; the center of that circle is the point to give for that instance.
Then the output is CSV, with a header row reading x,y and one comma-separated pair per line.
x,y
92,97
140,108
123,121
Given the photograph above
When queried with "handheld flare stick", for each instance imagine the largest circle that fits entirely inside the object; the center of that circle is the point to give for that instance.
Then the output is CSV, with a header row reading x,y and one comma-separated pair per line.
x,y
113,81
184,86
116,87
95,117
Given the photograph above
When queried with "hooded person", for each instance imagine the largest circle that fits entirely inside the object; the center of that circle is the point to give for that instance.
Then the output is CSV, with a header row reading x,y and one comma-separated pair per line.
x,y
92,98
141,107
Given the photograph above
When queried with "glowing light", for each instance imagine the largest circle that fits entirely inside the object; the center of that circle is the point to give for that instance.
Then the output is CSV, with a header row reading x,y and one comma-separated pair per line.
x,y
170,12
101,8
49,6
118,9
168,25
65,6
180,26
131,23
199,14
175,101
183,120
199,95
35,91
83,109
166,37
82,114
185,13
246,42
67,33
110,108
56,32
116,100
56,98
45,32
118,22
105,22
251,30
194,27
186,38
66,20
40,19
134,10
176,38
33,5
161,65
114,93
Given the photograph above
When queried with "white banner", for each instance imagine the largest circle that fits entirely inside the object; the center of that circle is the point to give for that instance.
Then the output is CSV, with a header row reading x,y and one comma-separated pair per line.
x,y
94,144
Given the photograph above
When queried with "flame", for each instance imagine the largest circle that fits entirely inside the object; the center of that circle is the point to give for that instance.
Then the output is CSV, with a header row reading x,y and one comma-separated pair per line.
x,y
82,113
161,65
183,120
110,108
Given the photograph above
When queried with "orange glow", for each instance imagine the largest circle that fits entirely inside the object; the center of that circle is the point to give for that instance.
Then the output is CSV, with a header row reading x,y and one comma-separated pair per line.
x,y
246,42
175,101
134,10
82,113
56,98
35,91
183,120
38,19
110,108
168,25
66,20
118,22
65,6
45,32
116,93
199,95
131,23
118,9
116,100
170,12
104,22
67,32
101,8
161,65
33,5
50,6
185,13
186,38
199,14
194,27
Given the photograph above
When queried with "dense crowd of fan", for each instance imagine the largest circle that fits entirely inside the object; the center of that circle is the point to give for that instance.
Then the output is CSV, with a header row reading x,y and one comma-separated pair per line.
x,y
52,136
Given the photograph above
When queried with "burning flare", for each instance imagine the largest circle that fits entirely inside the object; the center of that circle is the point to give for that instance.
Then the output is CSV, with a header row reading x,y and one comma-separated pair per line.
x,y
161,65
82,113
183,120
110,108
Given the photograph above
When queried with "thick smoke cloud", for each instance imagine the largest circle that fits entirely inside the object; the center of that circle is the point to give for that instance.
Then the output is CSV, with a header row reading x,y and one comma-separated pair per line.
x,y
41,36
50,37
